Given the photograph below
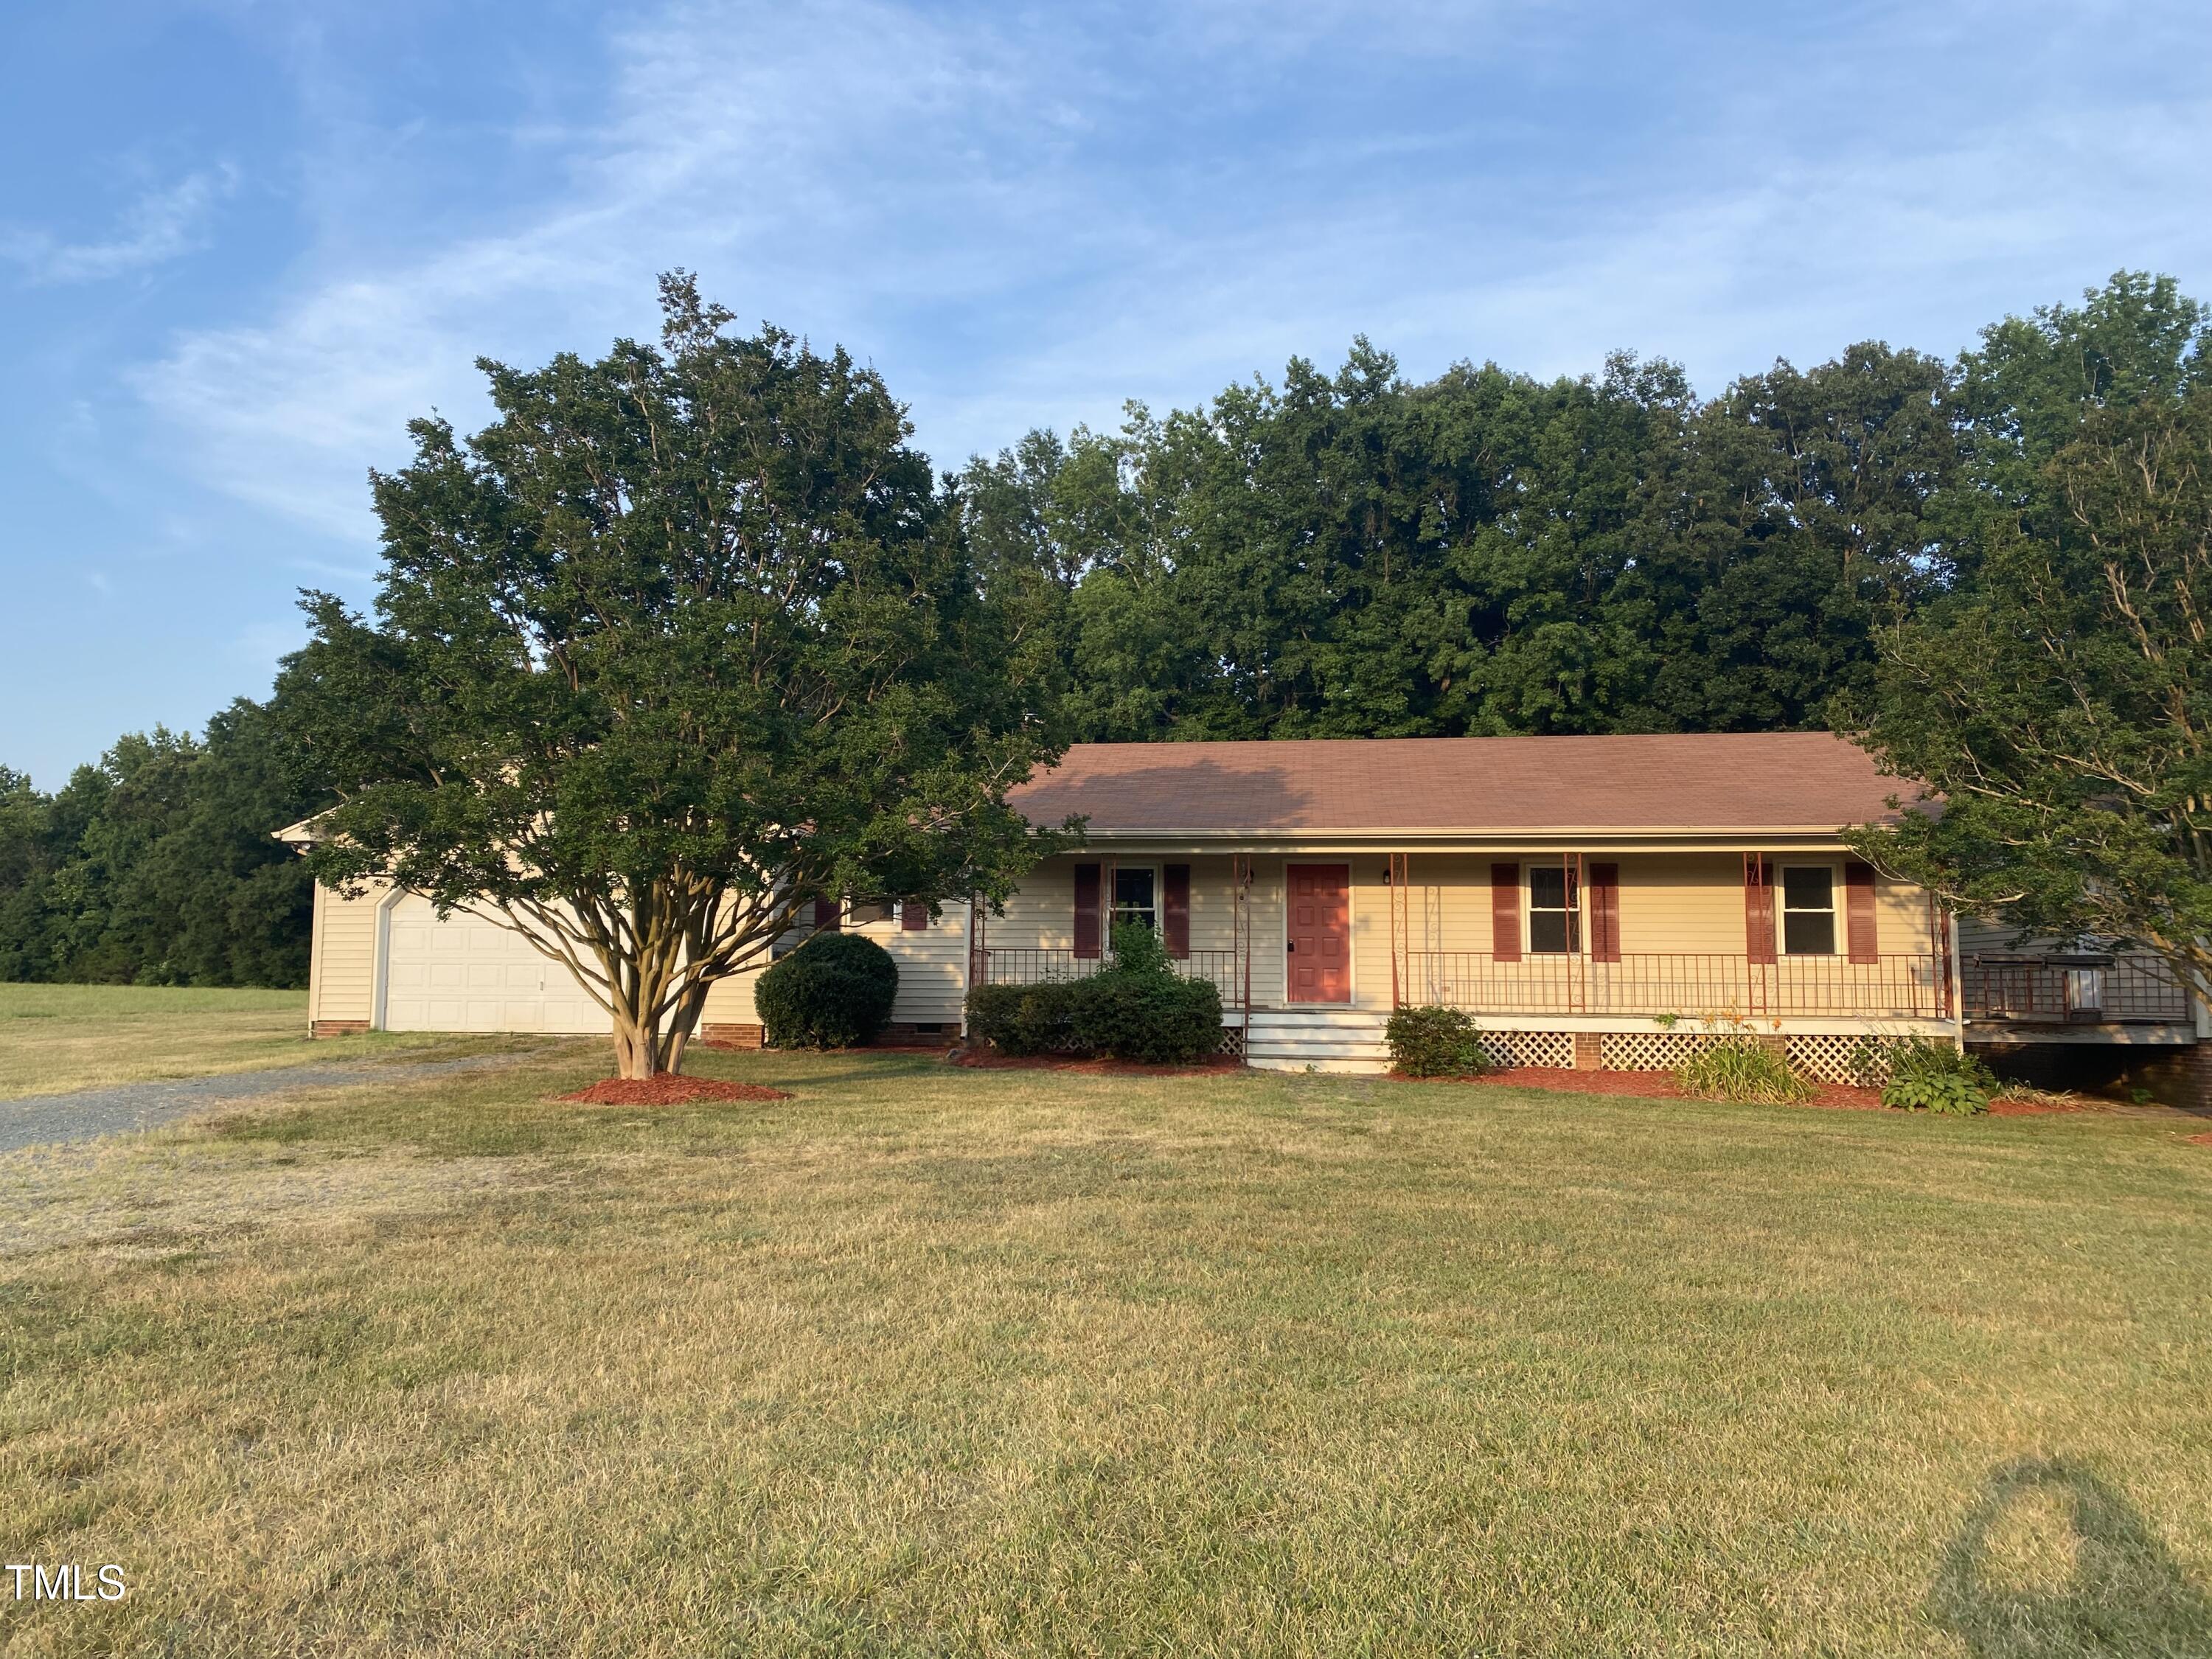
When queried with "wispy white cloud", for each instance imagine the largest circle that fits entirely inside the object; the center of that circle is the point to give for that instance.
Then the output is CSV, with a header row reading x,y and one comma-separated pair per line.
x,y
161,225
1028,218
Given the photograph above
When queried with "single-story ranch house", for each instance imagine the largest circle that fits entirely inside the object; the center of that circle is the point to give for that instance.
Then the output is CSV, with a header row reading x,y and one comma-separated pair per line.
x,y
1591,901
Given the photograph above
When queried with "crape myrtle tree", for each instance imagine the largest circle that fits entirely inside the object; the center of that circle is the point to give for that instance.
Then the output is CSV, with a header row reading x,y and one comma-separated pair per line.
x,y
683,639
2060,705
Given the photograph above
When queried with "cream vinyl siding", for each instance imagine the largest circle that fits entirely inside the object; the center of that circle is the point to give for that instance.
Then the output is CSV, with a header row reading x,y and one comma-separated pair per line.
x,y
1901,918
342,964
933,969
1042,915
932,966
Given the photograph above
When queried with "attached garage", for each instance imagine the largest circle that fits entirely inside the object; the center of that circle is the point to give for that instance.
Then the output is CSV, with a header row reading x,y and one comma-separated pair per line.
x,y
466,973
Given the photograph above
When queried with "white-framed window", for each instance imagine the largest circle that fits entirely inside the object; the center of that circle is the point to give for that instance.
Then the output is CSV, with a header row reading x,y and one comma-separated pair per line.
x,y
1555,910
1136,897
1808,909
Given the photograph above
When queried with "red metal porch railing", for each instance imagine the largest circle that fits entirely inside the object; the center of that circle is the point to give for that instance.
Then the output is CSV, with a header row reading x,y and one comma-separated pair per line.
x,y
1024,965
1683,982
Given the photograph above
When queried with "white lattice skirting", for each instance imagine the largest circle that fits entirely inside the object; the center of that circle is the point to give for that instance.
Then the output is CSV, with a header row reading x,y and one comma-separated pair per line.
x,y
1831,1059
1552,1049
1841,1059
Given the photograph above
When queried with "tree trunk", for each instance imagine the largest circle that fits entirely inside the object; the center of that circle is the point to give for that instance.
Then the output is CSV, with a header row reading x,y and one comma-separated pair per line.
x,y
683,1022
636,1046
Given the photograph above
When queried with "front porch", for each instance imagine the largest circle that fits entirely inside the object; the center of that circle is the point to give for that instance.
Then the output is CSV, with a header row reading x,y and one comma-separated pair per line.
x,y
1617,961
1643,985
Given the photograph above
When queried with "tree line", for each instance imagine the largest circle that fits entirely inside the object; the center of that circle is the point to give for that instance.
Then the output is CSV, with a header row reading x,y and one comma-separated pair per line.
x,y
1940,555
1352,554
155,866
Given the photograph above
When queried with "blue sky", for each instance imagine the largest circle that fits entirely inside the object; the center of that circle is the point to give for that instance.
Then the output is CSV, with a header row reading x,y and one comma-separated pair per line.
x,y
240,244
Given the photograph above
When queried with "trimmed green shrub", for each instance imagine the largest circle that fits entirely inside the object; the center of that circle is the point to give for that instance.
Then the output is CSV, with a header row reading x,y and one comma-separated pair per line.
x,y
1926,1076
1021,1020
1742,1068
833,992
1137,1007
1434,1041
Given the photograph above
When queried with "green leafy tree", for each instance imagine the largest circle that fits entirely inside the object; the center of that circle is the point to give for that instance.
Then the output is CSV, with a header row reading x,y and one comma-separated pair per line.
x,y
2060,704
155,867
23,813
1352,554
1793,521
2022,394
684,637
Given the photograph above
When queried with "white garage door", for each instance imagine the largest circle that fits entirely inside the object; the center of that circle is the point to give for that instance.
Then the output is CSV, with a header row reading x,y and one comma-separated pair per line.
x,y
465,974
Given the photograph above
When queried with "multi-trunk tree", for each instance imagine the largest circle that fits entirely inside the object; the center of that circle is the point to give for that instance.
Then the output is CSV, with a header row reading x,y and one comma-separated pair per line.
x,y
684,638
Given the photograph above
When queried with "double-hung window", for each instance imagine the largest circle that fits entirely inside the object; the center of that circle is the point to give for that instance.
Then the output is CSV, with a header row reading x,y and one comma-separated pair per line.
x,y
1136,896
1554,910
1808,910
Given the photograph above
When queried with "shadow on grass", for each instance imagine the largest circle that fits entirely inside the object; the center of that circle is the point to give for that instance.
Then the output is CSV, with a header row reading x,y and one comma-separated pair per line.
x,y
2125,1594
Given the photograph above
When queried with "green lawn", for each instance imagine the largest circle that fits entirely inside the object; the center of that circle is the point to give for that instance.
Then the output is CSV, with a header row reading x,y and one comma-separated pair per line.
x,y
934,1362
59,1038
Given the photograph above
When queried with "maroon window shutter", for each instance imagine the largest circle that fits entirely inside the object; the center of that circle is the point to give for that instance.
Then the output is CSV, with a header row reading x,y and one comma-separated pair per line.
x,y
1859,929
1175,909
913,915
828,916
1087,910
1605,912
1757,908
1506,912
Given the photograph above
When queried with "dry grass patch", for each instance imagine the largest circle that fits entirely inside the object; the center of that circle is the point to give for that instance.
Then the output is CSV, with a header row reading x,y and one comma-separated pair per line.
x,y
939,1361
56,1038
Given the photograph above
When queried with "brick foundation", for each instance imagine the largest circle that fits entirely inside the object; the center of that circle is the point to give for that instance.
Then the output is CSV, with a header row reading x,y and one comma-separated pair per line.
x,y
2179,1074
1589,1051
2183,1077
731,1036
336,1028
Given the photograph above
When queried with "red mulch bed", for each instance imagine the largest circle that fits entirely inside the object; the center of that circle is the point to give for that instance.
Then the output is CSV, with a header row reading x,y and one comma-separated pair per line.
x,y
984,1060
2199,1141
2040,1108
1652,1085
670,1088
1660,1086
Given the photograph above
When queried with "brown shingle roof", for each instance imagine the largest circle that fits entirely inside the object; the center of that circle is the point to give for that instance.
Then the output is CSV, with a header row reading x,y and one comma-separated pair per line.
x,y
1718,783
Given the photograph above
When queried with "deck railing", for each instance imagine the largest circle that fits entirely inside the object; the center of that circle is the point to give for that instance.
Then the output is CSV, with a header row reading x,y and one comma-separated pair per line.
x,y
1684,982
2058,989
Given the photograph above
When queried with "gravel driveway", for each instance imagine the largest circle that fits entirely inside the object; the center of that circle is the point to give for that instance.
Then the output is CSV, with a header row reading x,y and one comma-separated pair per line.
x,y
87,1113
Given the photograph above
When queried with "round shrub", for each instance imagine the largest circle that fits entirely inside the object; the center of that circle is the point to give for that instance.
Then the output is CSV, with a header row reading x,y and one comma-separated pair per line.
x,y
1434,1041
1155,1016
1020,1020
1136,1007
833,992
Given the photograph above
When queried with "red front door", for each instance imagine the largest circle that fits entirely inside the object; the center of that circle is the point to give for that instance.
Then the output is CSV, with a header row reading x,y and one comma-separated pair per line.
x,y
1318,966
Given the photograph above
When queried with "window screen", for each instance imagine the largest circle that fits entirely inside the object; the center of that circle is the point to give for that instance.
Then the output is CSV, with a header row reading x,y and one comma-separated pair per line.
x,y
1135,898
1554,910
1808,910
